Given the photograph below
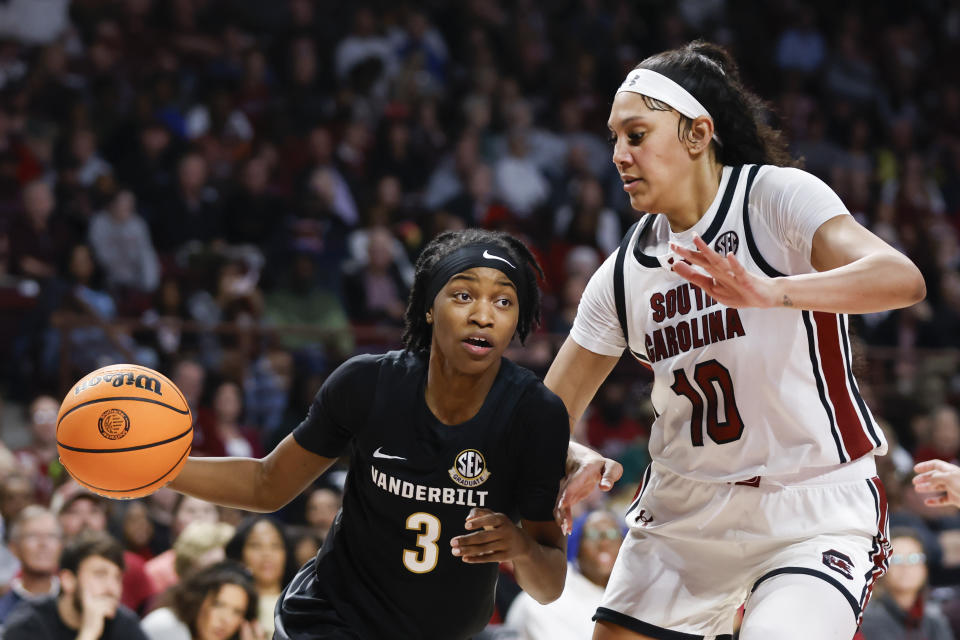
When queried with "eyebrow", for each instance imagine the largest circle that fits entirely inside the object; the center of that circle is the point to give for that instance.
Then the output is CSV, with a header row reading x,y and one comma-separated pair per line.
x,y
626,121
504,282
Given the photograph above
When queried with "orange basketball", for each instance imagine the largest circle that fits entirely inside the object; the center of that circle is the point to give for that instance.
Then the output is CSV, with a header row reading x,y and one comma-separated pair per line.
x,y
124,431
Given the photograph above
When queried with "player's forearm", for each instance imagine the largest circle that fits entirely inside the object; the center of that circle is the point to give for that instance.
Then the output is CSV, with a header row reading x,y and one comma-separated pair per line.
x,y
873,283
542,572
231,482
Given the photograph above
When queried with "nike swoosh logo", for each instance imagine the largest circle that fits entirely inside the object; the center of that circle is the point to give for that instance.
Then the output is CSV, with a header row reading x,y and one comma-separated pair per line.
x,y
379,454
490,256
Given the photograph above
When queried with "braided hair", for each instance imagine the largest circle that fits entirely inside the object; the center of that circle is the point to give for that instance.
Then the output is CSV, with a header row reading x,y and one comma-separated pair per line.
x,y
708,72
417,333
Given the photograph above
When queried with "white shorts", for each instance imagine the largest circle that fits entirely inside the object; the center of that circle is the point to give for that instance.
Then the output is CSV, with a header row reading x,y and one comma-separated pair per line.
x,y
697,550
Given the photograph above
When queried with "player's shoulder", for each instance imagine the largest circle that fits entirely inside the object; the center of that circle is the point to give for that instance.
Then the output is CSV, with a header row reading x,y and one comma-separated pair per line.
x,y
369,365
535,397
772,180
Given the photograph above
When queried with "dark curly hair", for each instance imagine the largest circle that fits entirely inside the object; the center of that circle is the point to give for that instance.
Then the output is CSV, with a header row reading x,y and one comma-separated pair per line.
x,y
417,333
708,72
187,597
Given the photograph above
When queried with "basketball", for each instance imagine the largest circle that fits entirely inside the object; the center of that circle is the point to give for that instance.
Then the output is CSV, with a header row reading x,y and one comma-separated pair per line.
x,y
124,431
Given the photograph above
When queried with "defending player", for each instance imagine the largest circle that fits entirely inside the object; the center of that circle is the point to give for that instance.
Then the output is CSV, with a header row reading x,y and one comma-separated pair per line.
x,y
451,445
763,485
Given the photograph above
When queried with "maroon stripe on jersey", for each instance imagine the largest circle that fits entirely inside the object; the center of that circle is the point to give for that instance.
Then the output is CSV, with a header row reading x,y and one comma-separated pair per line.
x,y
855,439
880,552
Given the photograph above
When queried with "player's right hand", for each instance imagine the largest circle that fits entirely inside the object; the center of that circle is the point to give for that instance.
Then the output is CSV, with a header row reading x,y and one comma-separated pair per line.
x,y
940,478
586,470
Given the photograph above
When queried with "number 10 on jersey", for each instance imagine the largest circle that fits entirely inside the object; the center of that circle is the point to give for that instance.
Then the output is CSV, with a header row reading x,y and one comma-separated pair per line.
x,y
722,424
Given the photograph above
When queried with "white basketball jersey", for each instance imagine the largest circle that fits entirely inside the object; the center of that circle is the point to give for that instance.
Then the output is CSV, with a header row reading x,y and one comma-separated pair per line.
x,y
738,393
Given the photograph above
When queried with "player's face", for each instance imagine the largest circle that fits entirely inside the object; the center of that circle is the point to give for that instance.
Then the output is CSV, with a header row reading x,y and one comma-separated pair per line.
x,y
474,318
221,613
265,554
647,152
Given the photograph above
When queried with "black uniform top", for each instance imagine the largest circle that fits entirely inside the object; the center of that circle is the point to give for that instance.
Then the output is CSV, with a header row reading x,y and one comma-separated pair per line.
x,y
39,620
386,565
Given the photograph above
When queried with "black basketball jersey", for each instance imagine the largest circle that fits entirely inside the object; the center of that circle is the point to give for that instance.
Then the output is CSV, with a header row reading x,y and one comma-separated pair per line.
x,y
386,566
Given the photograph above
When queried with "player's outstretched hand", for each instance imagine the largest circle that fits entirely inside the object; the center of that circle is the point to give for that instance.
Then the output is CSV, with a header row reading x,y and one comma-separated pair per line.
x,y
939,478
586,470
726,280
495,538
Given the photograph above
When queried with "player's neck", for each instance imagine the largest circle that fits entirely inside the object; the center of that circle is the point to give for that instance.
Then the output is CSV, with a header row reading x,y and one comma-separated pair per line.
x,y
453,396
697,192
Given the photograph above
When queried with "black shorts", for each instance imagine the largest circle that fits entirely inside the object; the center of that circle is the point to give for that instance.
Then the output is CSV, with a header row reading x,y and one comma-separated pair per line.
x,y
303,614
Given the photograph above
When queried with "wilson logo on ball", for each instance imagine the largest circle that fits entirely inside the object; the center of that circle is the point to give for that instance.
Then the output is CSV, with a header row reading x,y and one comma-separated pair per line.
x,y
113,424
120,378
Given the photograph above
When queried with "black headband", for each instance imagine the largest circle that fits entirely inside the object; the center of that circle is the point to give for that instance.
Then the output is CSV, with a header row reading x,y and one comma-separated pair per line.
x,y
475,255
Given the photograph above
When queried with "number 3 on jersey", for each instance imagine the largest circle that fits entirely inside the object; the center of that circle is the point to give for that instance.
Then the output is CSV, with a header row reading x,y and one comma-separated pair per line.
x,y
710,376
425,558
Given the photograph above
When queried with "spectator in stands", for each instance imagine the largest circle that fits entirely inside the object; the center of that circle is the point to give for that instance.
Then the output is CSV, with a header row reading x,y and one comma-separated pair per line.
x,y
88,606
16,493
90,166
192,211
261,544
944,442
190,377
79,510
36,540
37,240
322,506
592,548
902,609
217,602
300,301
305,542
376,292
519,180
122,246
251,211
136,528
148,168
199,545
161,569
227,435
39,459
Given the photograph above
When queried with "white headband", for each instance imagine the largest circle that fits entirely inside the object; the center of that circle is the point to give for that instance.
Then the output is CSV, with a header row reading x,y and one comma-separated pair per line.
x,y
659,87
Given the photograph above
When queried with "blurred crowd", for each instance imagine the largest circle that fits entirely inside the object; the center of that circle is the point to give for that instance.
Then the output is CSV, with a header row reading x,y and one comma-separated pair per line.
x,y
233,192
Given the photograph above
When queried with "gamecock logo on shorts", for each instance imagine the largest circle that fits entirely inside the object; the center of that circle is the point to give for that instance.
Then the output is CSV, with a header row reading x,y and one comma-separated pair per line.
x,y
469,469
839,562
113,424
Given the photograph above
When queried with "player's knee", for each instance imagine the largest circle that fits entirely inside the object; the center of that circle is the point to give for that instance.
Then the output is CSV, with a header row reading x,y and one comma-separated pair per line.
x,y
773,612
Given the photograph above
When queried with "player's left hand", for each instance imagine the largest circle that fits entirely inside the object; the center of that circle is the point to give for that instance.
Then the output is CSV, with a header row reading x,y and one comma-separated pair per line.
x,y
939,478
725,279
497,540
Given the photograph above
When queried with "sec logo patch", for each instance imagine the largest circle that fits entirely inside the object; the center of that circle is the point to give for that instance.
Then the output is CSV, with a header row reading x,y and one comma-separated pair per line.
x,y
469,469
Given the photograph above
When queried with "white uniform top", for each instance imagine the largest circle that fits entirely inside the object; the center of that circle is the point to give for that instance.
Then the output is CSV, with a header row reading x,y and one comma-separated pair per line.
x,y
738,393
